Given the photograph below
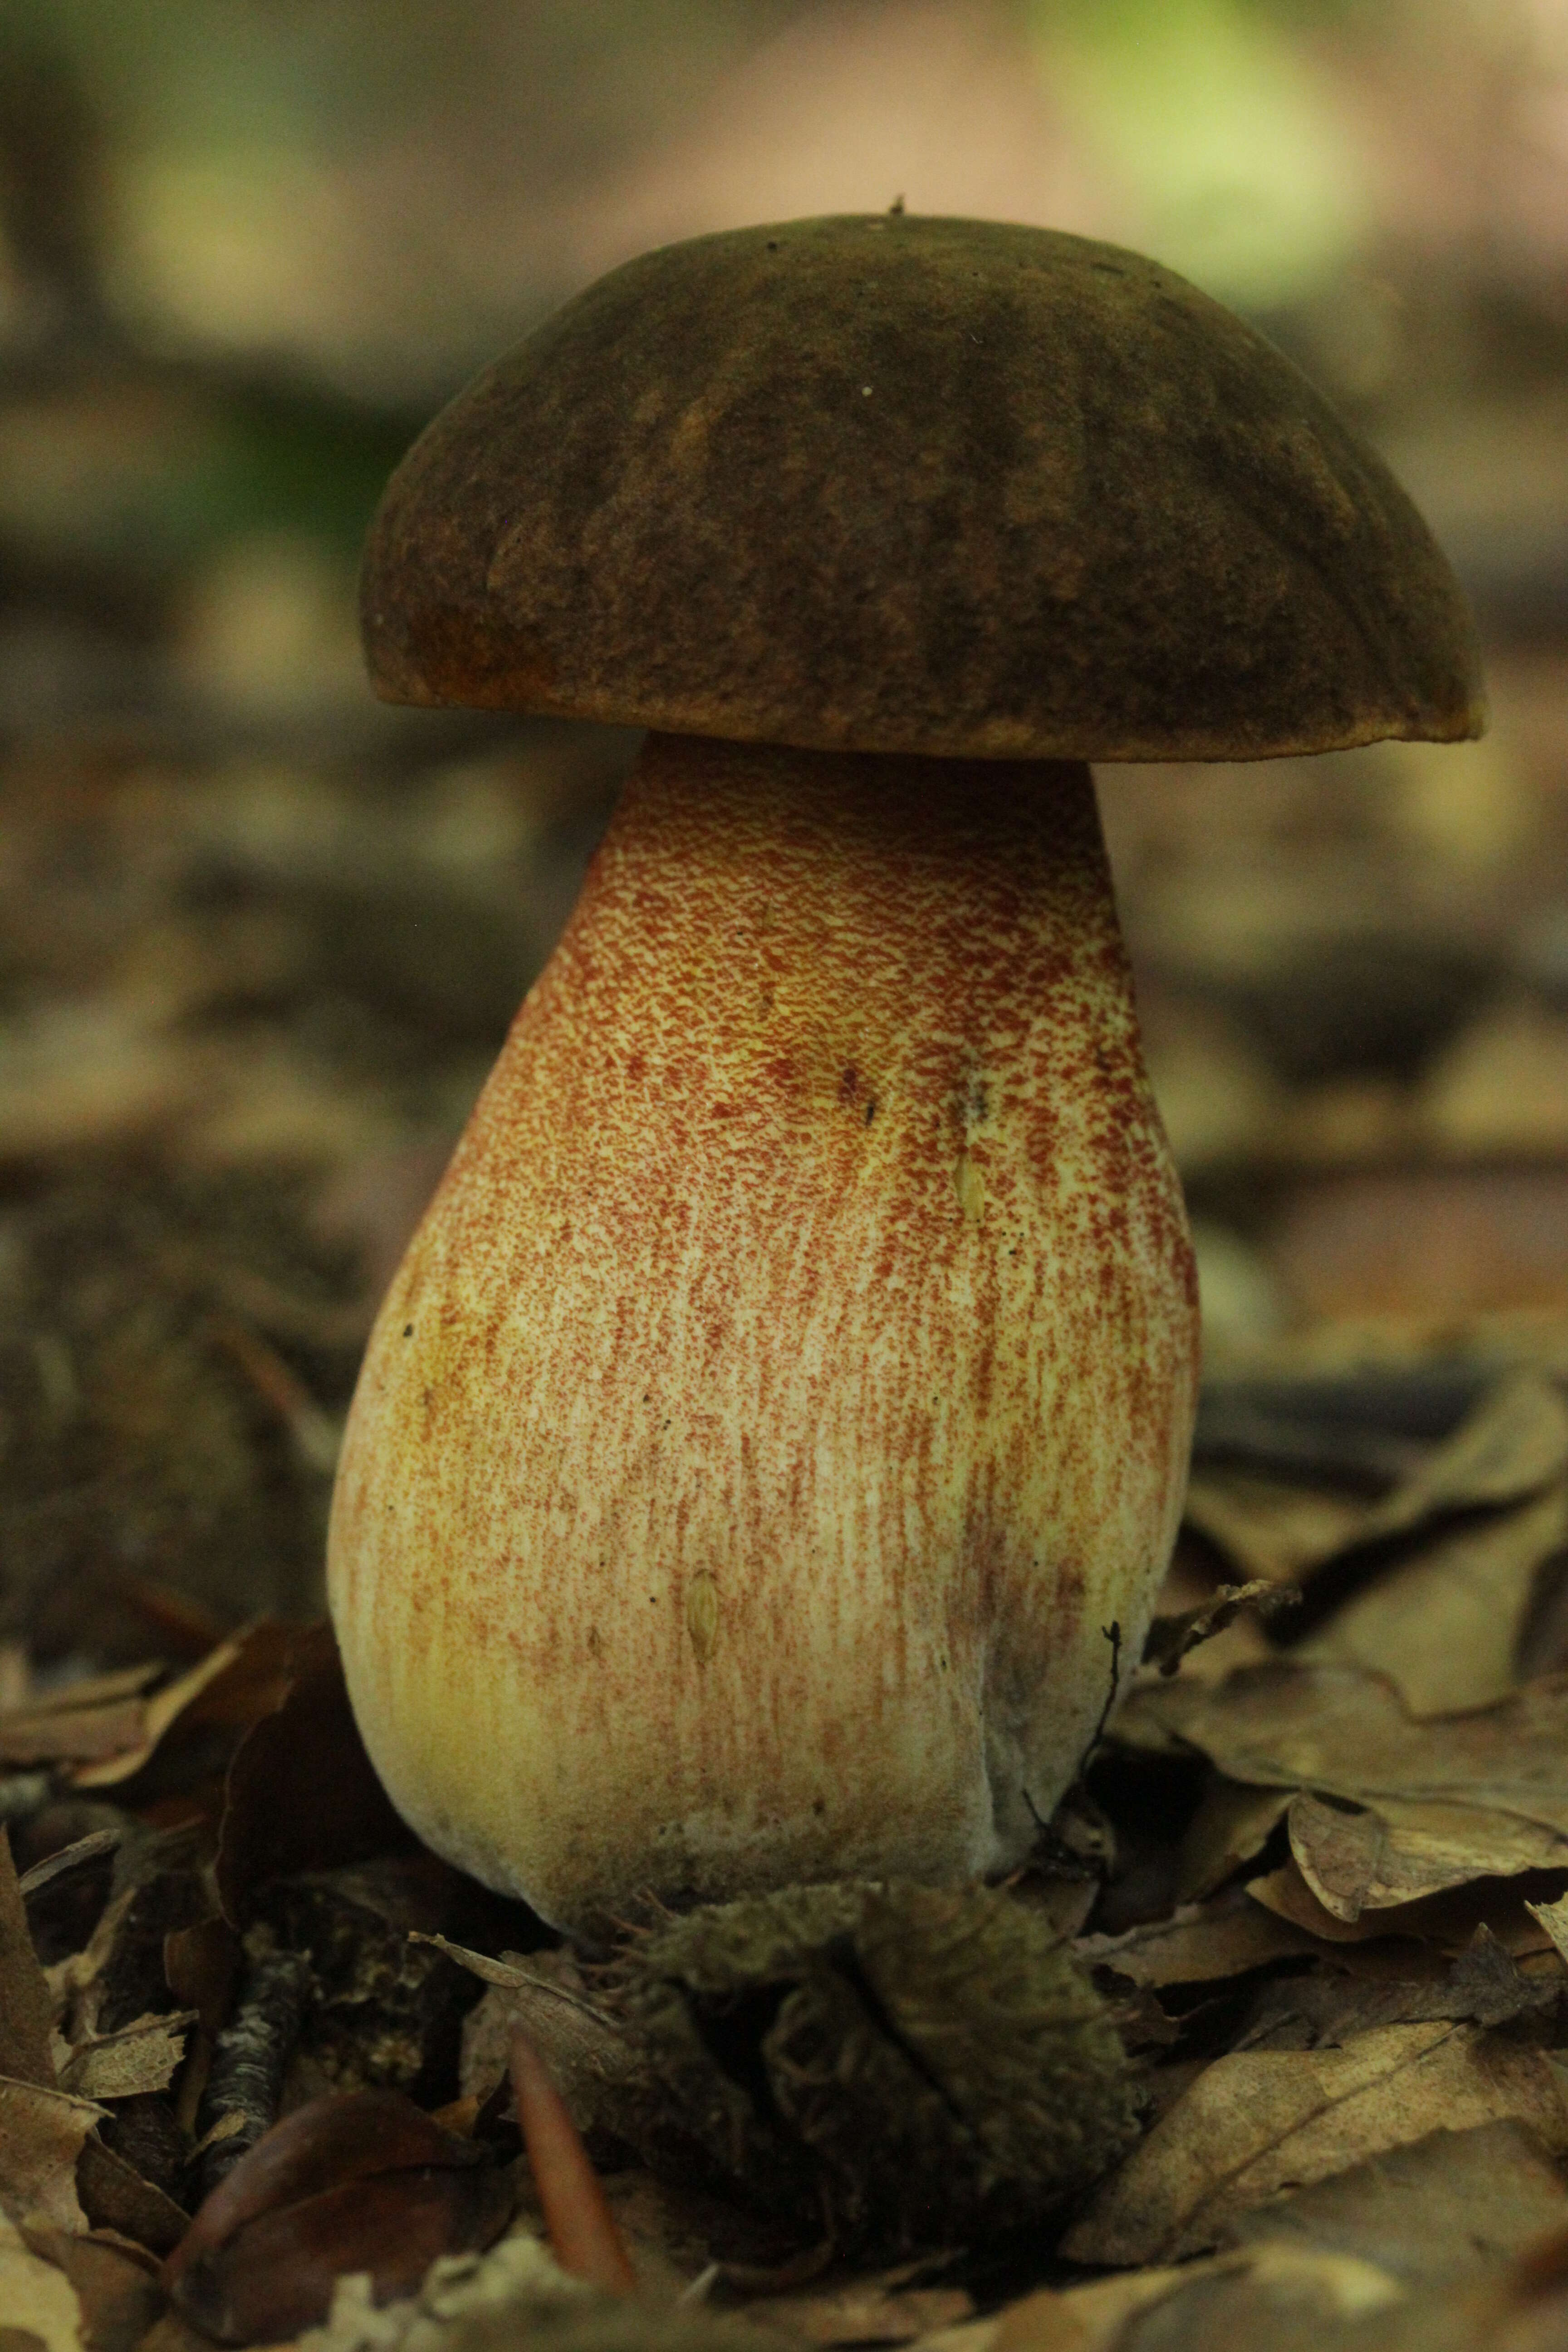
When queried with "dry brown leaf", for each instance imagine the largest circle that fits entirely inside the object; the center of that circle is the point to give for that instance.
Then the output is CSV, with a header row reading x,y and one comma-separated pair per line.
x,y
353,2181
41,2136
1252,2126
1484,1795
153,1718
887,2309
73,1981
1445,1626
1311,2287
115,2196
1288,2299
1202,1944
1553,1917
591,2061
1514,1445
1232,1825
93,1716
116,2284
1365,1861
26,2008
141,2056
1331,2006
1447,2206
302,1794
1269,1529
1446,1922
36,2299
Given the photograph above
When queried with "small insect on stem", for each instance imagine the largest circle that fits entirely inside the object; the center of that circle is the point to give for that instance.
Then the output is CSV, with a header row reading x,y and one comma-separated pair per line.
x,y
583,2232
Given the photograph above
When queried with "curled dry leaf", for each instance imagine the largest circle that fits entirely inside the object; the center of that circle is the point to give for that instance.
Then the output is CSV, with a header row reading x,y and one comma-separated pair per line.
x,y
78,1722
1483,1987
1478,1795
1445,1627
1514,1445
1231,1827
154,1716
360,2181
115,2196
1369,1860
1441,1923
1251,2125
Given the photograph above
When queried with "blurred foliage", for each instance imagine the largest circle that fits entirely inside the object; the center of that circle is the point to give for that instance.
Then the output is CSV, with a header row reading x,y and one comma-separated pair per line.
x,y
1247,180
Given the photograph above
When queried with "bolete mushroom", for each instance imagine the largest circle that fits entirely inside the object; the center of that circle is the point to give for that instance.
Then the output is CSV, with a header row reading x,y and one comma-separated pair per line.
x,y
766,1456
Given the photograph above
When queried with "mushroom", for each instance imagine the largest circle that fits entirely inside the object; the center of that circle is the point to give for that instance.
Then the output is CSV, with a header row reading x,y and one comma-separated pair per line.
x,y
769,1450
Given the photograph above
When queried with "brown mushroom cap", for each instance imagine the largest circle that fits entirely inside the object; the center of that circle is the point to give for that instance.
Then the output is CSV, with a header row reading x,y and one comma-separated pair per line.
x,y
884,483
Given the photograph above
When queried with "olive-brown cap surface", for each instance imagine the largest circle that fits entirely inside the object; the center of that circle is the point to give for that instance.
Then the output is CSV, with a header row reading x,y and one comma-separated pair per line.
x,y
886,483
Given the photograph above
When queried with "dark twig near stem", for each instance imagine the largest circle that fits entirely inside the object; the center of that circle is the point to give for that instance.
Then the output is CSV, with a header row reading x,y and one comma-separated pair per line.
x,y
249,2058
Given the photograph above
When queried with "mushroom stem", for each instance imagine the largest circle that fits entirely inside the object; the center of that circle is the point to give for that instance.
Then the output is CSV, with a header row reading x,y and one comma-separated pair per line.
x,y
792,1378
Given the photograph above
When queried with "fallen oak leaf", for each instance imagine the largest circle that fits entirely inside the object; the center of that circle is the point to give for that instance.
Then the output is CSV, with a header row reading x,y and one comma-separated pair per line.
x,y
102,1715
1273,2288
1326,2007
1231,1827
1251,2124
1442,1924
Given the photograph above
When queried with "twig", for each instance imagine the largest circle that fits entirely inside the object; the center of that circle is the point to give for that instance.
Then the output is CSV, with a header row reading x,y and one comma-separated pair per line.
x,y
583,2232
249,2058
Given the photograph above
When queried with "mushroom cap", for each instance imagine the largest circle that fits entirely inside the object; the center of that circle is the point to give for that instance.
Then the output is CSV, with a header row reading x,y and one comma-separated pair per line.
x,y
884,483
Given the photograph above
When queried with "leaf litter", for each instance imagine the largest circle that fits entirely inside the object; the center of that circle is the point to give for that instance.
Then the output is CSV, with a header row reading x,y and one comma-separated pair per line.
x,y
257,2048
